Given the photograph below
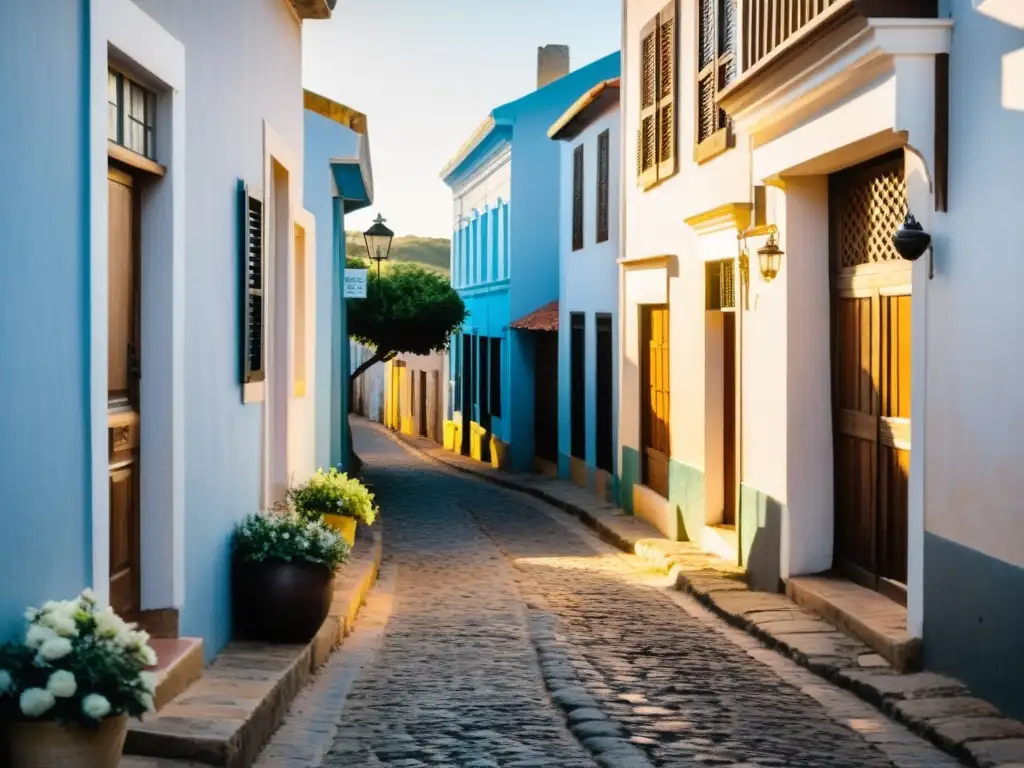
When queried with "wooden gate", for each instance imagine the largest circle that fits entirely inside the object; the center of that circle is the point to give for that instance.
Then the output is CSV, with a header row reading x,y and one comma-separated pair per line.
x,y
655,408
870,374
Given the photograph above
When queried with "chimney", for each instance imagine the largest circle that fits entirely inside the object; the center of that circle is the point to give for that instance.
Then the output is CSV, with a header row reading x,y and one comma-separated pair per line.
x,y
552,63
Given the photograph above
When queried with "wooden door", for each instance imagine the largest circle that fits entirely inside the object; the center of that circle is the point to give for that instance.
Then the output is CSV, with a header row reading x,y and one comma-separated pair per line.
x,y
655,410
123,356
729,418
545,409
421,405
871,375
467,390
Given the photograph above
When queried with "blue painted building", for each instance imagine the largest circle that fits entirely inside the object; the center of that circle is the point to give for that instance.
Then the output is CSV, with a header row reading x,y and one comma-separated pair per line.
x,y
151,394
505,188
338,181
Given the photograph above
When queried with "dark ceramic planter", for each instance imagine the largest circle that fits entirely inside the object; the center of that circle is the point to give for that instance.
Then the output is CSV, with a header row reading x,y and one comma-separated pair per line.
x,y
279,602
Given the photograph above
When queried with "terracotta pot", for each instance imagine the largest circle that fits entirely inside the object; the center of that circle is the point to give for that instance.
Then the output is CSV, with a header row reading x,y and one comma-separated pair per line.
x,y
45,744
279,602
346,526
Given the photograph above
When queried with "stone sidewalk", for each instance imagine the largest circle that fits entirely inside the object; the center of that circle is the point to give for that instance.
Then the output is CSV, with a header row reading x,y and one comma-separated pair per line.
x,y
937,707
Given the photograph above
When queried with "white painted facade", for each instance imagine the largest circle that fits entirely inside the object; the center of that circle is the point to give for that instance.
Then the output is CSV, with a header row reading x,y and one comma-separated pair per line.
x,y
588,276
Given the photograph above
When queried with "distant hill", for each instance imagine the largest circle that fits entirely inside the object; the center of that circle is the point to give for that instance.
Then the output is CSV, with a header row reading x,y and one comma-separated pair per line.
x,y
429,252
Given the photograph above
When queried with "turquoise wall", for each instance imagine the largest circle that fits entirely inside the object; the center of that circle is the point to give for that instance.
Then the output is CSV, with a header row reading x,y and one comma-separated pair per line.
x,y
44,325
686,492
760,535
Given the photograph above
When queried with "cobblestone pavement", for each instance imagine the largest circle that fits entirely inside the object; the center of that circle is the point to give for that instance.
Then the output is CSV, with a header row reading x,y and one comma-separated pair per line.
x,y
497,600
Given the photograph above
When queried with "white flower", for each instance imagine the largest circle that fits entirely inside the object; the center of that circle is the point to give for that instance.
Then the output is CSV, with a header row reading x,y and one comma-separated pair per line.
x,y
55,648
95,706
148,656
148,680
109,624
35,702
37,635
5,681
286,535
146,700
62,684
61,621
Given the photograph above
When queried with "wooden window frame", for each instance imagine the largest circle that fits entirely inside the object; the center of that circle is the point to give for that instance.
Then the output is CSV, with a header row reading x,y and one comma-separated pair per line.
x,y
603,188
253,289
721,137
657,145
123,85
577,198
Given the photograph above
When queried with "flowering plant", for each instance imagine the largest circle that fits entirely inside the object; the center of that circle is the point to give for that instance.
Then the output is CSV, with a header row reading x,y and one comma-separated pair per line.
x,y
78,664
288,537
334,493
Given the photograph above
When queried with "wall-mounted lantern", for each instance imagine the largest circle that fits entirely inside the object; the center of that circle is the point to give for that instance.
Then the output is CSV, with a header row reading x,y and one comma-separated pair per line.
x,y
769,256
378,241
911,242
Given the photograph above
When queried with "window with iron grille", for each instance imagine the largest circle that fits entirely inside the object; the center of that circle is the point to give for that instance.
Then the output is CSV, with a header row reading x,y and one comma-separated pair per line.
x,y
603,150
656,136
577,198
717,62
578,385
720,285
131,114
250,203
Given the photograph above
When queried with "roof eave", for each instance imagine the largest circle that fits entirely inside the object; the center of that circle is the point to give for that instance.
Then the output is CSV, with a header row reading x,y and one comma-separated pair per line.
x,y
563,127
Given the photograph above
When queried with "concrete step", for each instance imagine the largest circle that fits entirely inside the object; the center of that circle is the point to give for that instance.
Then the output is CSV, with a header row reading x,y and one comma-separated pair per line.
x,y
179,664
862,614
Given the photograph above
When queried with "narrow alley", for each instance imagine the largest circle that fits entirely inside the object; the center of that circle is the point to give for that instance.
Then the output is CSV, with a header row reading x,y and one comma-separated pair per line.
x,y
491,601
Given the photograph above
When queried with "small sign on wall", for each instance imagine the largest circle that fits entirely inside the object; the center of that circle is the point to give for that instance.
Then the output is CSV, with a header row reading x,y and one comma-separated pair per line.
x,y
355,283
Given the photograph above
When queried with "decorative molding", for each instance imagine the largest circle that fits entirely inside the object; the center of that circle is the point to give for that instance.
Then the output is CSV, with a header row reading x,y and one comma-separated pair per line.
x,y
656,260
133,159
728,216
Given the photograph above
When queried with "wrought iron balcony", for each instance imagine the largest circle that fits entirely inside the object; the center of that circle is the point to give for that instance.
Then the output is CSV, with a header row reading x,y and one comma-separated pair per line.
x,y
769,26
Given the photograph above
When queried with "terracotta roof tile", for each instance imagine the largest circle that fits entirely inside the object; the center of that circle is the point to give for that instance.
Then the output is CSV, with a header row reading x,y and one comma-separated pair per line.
x,y
543,319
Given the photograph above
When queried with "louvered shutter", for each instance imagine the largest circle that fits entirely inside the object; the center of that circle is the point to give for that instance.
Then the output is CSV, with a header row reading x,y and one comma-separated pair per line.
x,y
603,149
253,315
706,67
577,198
720,285
728,55
647,141
667,37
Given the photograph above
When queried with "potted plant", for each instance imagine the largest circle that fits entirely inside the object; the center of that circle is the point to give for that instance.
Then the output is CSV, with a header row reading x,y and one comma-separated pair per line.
x,y
68,689
283,576
339,500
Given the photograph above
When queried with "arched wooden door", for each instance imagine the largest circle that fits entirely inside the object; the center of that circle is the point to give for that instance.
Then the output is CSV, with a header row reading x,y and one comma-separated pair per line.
x,y
870,374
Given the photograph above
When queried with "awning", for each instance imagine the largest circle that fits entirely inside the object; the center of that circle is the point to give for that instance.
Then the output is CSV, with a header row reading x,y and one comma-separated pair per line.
x,y
543,319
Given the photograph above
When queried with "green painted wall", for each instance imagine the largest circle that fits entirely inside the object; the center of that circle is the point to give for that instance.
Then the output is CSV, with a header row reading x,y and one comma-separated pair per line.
x,y
630,476
760,533
686,492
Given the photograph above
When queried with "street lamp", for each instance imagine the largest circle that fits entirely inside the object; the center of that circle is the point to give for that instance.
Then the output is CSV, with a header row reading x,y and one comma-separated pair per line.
x,y
378,241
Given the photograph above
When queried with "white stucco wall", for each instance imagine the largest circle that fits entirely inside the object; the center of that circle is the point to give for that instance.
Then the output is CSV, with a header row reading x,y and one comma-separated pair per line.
x,y
588,277
655,225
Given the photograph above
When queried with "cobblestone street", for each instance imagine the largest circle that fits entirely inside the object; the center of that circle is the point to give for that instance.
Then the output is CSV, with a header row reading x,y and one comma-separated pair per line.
x,y
505,617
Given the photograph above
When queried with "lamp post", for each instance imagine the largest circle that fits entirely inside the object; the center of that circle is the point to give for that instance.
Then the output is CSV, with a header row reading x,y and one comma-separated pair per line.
x,y
378,241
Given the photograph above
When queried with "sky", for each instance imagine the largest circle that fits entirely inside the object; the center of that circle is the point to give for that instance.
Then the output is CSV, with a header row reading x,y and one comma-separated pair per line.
x,y
427,72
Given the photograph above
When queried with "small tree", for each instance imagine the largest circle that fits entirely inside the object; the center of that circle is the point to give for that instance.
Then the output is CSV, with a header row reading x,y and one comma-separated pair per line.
x,y
407,310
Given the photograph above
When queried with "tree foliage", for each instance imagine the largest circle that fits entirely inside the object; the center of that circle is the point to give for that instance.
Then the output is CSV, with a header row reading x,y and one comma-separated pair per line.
x,y
407,310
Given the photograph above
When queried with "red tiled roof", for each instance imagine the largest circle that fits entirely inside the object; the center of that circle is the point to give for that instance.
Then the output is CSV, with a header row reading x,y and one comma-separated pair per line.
x,y
543,319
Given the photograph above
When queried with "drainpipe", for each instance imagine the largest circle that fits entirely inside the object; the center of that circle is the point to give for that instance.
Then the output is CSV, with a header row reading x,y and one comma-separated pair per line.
x,y
339,351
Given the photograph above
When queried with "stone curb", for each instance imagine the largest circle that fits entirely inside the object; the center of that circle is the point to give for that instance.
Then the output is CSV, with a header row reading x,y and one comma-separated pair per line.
x,y
938,708
226,717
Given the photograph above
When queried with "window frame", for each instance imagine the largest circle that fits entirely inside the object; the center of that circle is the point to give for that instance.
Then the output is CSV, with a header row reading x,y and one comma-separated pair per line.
x,y
602,224
721,138
578,178
123,113
664,100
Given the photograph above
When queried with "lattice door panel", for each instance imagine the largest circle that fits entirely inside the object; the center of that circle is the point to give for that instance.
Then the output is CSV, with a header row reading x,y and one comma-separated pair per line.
x,y
869,204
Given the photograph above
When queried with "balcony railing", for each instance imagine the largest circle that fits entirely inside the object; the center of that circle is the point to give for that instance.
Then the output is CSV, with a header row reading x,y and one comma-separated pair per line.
x,y
767,24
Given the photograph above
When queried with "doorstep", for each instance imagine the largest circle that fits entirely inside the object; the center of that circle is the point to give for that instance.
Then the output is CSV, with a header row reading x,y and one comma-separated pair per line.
x,y
936,707
226,716
179,664
862,613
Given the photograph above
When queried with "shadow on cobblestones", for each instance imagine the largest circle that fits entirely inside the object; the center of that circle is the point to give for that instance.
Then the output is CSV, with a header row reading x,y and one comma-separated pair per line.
x,y
495,598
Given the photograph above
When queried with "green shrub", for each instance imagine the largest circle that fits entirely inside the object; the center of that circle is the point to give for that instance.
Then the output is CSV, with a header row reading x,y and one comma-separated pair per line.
x,y
335,493
289,537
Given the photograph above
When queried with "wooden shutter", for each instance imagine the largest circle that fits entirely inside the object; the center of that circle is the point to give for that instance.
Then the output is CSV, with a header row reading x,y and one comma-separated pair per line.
x,y
667,37
719,286
647,147
603,149
706,62
253,306
717,67
577,198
